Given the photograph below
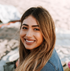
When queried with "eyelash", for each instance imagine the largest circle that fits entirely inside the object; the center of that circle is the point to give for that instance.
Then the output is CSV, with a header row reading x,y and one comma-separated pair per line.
x,y
25,28
36,29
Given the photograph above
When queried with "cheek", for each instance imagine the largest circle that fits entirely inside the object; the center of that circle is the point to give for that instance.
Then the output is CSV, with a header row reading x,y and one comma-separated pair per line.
x,y
39,37
21,33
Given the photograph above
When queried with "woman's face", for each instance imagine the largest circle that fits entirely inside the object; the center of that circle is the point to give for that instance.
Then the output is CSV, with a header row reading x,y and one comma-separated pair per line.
x,y
30,33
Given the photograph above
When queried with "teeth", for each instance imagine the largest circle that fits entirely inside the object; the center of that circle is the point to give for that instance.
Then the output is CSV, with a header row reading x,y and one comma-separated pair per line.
x,y
29,41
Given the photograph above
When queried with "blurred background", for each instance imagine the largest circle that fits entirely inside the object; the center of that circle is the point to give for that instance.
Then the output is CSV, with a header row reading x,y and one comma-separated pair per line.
x,y
10,14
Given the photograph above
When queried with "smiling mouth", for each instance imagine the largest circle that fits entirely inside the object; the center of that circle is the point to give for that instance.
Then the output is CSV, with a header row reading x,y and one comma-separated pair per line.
x,y
29,41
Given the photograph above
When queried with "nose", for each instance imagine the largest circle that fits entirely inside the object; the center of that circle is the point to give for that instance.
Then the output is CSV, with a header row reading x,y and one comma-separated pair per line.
x,y
29,33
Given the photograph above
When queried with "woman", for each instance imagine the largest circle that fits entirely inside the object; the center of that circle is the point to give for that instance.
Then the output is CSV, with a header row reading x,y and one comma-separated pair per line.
x,y
37,42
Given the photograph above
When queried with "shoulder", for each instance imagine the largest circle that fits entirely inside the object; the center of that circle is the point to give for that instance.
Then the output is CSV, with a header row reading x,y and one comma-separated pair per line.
x,y
54,63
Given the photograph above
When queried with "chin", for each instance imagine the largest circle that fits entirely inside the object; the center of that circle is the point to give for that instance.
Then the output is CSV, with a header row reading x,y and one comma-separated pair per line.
x,y
31,48
28,48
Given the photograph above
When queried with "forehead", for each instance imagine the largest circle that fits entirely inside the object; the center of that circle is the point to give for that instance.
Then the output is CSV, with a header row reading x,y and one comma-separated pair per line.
x,y
30,20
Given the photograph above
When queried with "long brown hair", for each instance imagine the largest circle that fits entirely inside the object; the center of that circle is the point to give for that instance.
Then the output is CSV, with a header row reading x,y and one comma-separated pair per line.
x,y
36,60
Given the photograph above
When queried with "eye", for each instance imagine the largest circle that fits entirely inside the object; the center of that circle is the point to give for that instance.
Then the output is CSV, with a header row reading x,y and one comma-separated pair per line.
x,y
36,29
24,27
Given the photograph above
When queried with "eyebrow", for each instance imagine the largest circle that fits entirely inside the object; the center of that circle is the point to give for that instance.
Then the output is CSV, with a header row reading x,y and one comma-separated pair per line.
x,y
32,25
25,24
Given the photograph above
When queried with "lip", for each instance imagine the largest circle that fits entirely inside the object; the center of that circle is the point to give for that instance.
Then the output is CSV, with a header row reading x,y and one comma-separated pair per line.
x,y
29,41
